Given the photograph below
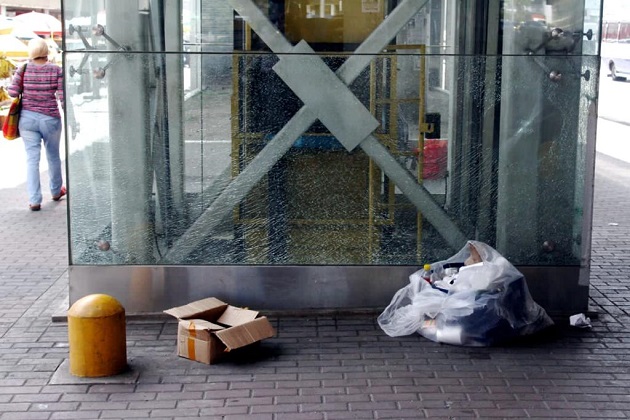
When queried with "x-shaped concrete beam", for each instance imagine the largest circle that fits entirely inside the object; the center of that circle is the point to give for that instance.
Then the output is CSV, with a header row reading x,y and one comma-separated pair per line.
x,y
352,128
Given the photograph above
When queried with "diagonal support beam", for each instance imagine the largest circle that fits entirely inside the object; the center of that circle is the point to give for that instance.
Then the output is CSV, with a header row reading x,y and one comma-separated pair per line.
x,y
416,193
301,121
329,98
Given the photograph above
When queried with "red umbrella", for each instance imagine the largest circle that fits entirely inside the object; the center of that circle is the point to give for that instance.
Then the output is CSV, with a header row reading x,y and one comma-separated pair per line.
x,y
40,23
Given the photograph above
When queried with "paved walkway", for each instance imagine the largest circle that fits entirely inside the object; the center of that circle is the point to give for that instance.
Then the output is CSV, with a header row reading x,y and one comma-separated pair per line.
x,y
317,367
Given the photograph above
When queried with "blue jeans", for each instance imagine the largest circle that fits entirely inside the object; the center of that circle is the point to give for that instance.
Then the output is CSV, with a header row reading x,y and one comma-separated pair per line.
x,y
35,127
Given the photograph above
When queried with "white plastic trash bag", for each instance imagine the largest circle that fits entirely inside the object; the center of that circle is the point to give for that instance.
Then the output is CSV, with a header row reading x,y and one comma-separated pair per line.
x,y
475,298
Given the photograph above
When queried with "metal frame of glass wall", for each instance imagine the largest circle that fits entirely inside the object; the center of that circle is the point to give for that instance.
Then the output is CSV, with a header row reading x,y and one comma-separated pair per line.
x,y
311,154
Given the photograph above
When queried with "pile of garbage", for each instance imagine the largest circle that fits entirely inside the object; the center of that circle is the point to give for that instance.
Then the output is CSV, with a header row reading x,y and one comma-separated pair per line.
x,y
475,298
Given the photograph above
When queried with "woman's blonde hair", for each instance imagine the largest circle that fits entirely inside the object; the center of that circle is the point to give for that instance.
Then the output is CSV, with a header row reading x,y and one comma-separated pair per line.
x,y
37,48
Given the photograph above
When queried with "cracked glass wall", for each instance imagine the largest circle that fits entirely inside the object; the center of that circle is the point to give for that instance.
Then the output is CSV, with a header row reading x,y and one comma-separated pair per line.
x,y
308,132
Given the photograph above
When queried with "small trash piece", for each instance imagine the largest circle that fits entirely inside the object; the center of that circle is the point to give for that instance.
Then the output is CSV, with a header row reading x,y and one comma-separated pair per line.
x,y
580,321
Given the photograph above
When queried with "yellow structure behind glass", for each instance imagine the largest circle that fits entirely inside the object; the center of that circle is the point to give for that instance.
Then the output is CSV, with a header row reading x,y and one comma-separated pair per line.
x,y
332,21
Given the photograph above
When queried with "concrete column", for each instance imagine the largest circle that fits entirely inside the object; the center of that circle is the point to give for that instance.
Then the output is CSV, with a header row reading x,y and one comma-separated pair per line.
x,y
522,97
131,179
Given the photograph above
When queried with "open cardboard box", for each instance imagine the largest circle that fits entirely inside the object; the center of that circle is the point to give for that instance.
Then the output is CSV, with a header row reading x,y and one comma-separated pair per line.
x,y
208,328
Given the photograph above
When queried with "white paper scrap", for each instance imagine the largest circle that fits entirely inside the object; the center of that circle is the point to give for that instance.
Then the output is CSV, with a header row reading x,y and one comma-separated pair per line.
x,y
580,321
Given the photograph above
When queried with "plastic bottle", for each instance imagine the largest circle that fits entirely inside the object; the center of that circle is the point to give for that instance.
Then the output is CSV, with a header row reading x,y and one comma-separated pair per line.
x,y
426,273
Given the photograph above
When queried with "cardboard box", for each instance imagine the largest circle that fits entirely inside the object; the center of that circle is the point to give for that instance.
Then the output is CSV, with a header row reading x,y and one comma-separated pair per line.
x,y
209,328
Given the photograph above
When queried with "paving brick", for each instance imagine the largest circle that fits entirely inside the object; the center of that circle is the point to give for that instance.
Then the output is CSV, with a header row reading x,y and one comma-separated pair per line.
x,y
20,390
301,416
71,397
278,408
183,379
324,407
379,397
503,413
336,383
273,392
449,413
11,382
36,398
299,384
140,396
203,403
190,395
160,388
14,407
191,412
141,405
601,414
55,406
125,414
249,416
256,385
220,411
556,413
350,398
572,405
400,414
427,396
340,415
108,389
223,386
250,402
220,394
25,416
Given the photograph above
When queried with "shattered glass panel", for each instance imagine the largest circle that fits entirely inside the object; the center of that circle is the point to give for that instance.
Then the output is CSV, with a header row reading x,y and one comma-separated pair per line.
x,y
222,150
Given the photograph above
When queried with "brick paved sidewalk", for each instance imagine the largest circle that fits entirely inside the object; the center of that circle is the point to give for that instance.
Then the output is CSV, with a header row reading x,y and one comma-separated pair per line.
x,y
317,367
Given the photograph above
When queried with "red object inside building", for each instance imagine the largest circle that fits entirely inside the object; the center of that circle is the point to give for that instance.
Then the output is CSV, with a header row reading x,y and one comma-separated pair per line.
x,y
435,158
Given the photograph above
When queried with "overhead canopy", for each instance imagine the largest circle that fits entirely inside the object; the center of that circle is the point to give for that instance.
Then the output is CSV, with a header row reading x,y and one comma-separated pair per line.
x,y
40,23
18,31
6,25
12,47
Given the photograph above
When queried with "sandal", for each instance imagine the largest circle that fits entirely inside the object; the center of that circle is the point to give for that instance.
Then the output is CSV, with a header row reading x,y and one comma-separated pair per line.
x,y
62,192
35,207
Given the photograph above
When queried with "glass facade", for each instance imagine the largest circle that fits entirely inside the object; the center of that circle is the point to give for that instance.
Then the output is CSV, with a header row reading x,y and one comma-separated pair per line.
x,y
329,132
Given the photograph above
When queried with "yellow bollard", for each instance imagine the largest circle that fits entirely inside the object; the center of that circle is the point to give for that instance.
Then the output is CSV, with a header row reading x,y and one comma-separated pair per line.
x,y
97,336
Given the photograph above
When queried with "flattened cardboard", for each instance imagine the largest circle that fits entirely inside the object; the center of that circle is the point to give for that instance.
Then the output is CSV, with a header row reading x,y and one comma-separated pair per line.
x,y
245,334
202,309
233,316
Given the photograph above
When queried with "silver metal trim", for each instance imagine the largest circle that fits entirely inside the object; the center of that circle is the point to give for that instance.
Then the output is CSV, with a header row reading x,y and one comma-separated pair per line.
x,y
302,289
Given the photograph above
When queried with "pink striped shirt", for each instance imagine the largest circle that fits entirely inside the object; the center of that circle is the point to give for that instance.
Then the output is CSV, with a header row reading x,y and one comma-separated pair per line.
x,y
41,83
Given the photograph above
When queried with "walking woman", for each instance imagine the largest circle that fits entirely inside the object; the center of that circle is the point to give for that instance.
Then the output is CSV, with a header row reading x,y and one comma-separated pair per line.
x,y
41,85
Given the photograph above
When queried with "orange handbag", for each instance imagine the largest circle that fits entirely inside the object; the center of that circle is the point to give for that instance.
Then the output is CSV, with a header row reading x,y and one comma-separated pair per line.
x,y
10,129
